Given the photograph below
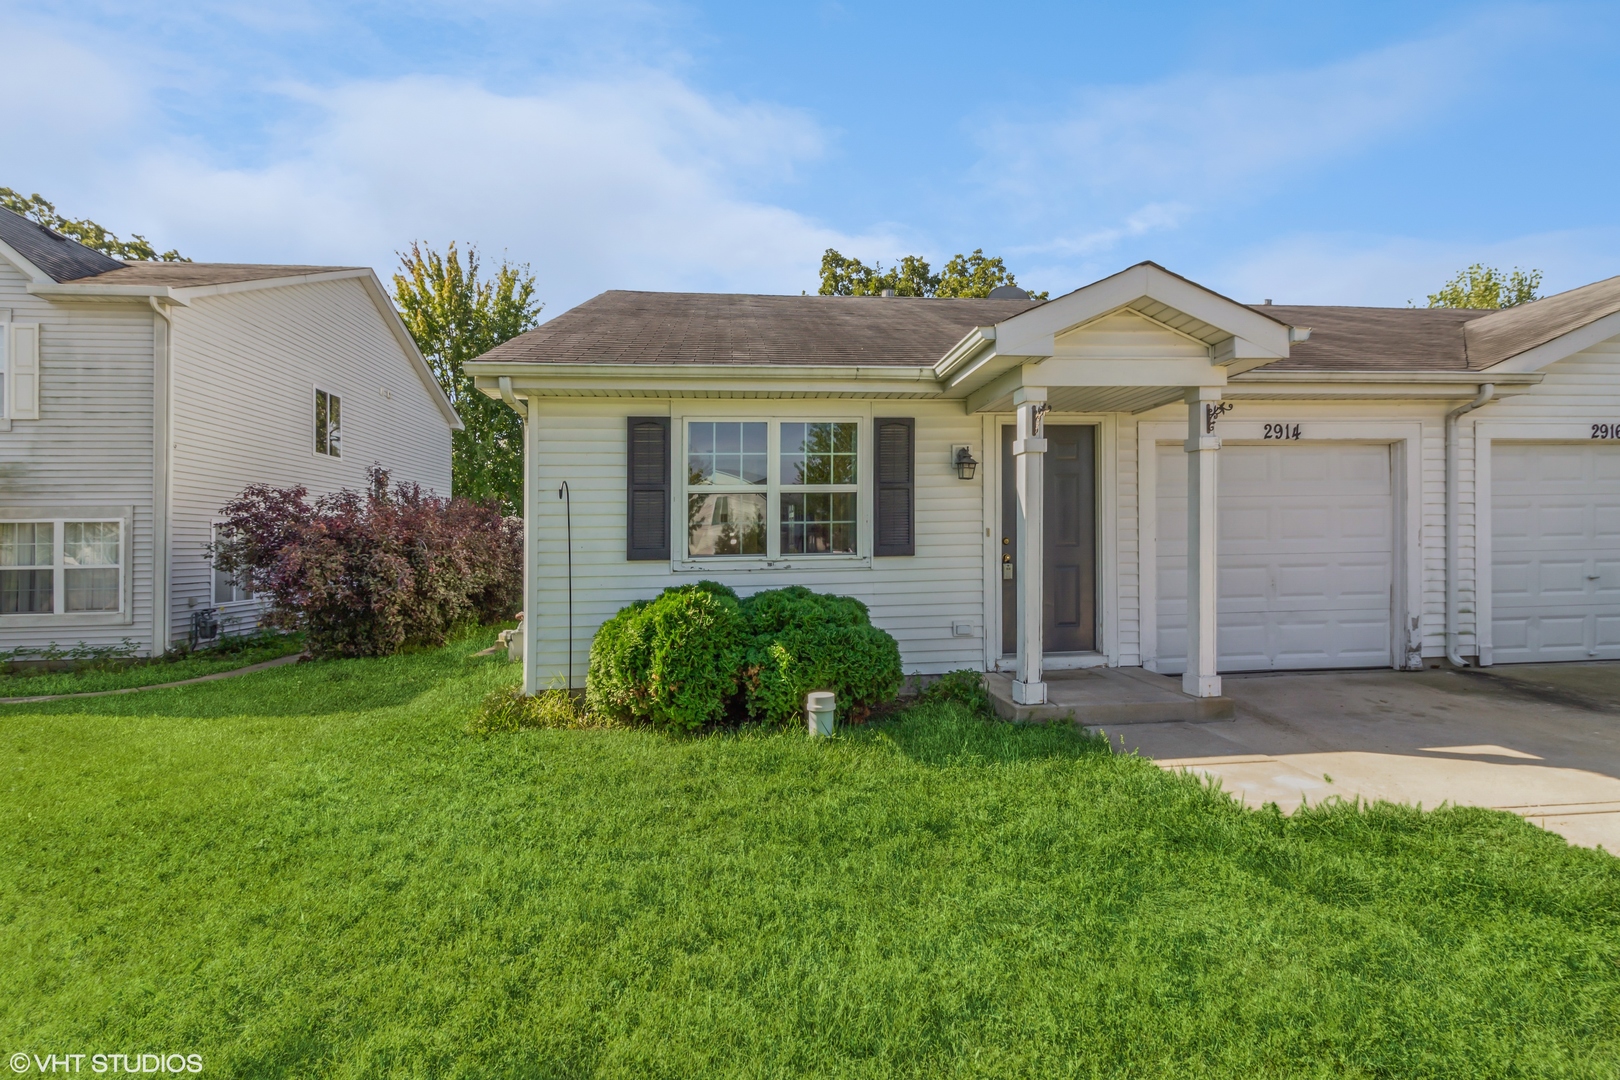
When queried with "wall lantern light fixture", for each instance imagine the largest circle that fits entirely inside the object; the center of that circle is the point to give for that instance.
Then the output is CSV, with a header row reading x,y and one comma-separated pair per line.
x,y
962,458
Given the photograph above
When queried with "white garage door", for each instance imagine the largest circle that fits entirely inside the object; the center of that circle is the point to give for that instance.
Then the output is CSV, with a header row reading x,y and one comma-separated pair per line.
x,y
1306,556
1555,552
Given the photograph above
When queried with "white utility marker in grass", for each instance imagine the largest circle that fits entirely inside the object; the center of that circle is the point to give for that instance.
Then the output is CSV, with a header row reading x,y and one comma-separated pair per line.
x,y
820,709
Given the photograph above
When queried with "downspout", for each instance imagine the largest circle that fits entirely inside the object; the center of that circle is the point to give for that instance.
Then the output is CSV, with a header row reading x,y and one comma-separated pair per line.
x,y
531,647
162,480
1453,527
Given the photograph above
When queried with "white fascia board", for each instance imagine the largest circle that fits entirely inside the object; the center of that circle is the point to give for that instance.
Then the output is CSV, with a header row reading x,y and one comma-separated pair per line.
x,y
1027,332
87,290
540,379
14,257
228,287
1559,348
396,326
1460,378
972,343
1137,371
1381,385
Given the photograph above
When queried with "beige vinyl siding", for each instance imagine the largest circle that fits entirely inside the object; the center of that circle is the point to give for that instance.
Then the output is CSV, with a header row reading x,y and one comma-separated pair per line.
x,y
92,443
915,598
1127,542
246,365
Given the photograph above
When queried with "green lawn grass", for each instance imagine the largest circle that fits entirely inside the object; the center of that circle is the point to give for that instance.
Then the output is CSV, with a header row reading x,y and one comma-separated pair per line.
x,y
112,676
314,872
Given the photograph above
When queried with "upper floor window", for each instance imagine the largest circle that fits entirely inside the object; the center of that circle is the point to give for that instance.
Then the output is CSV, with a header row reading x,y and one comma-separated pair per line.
x,y
57,567
328,424
766,490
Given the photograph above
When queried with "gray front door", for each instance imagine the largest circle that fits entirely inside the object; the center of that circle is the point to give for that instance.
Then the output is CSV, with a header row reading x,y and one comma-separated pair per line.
x,y
1070,570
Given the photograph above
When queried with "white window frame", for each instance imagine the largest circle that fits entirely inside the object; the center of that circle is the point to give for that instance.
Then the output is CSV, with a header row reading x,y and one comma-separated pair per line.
x,y
773,489
314,423
58,517
213,579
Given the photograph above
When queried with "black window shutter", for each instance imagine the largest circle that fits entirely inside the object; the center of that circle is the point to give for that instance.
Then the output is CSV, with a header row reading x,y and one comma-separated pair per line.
x,y
894,494
647,476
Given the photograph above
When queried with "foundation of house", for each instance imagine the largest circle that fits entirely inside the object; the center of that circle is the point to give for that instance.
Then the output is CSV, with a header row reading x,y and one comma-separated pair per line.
x,y
1094,696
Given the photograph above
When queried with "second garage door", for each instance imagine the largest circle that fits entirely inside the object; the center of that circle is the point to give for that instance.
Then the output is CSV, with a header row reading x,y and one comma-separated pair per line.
x,y
1306,556
1555,552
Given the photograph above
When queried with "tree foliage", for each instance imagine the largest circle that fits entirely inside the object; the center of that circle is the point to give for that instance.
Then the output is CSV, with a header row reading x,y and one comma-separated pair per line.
x,y
456,316
368,573
36,208
963,276
1487,287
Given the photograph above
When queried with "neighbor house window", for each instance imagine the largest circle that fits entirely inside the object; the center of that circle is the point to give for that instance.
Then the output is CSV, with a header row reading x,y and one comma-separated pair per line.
x,y
229,588
61,567
328,424
768,489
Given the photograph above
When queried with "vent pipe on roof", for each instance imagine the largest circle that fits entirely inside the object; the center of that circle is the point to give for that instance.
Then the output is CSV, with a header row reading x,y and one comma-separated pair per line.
x,y
886,292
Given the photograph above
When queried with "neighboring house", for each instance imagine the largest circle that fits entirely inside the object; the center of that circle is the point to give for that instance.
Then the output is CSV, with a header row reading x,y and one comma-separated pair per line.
x,y
138,398
704,436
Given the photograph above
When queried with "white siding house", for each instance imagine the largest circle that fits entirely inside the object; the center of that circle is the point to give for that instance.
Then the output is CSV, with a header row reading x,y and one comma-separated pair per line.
x,y
138,398
1165,478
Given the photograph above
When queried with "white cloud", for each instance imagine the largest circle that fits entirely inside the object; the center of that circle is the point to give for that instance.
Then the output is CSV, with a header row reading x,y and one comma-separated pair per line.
x,y
1126,160
1383,271
634,183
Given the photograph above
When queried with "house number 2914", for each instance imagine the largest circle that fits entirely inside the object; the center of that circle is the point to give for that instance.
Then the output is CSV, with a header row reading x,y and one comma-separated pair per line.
x,y
1606,431
1286,431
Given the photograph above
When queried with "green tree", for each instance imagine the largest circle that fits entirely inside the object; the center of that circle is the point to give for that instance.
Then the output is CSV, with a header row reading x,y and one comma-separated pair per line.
x,y
456,317
36,208
1487,287
964,276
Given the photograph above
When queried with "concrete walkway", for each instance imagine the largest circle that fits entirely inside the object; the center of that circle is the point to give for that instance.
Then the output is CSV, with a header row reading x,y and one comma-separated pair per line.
x,y
216,676
1539,740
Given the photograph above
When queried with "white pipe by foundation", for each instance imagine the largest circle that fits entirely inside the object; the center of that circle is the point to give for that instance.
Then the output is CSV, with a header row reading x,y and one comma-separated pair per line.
x,y
1453,530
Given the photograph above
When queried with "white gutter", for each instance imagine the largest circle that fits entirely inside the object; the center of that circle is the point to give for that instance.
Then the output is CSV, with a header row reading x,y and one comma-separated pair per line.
x,y
1453,539
162,485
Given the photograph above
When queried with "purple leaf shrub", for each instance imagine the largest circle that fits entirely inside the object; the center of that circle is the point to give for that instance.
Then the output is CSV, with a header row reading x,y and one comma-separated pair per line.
x,y
366,574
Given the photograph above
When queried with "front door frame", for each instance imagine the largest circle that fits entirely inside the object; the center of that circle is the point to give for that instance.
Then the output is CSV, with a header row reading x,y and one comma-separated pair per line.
x,y
1106,512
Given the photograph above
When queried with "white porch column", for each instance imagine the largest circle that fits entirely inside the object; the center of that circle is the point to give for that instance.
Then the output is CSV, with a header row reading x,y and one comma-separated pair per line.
x,y
1200,679
1029,448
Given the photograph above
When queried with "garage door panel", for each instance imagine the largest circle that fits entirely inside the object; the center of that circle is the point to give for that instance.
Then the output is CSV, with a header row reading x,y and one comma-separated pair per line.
x,y
1555,565
1305,556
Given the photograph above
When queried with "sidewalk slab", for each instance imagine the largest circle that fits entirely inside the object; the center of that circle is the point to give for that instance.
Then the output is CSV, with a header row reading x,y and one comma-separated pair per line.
x,y
1096,696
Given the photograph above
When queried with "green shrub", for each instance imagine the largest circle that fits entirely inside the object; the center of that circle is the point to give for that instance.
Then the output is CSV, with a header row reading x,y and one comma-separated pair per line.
x,y
510,709
673,661
964,686
804,641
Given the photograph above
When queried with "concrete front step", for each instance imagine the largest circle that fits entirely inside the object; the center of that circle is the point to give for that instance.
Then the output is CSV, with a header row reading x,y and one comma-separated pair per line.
x,y
1094,696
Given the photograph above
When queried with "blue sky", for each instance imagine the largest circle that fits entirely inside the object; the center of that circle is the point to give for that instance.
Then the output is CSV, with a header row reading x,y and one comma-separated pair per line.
x,y
1310,153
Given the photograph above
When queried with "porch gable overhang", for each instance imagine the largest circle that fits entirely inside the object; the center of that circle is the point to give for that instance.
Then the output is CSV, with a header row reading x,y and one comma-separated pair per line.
x,y
1216,338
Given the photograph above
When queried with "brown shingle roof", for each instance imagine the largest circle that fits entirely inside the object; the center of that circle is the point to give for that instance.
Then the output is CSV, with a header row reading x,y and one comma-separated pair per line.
x,y
1501,334
1375,339
621,327
185,275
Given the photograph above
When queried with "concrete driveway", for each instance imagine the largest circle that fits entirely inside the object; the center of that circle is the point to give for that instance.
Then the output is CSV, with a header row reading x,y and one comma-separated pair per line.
x,y
1540,740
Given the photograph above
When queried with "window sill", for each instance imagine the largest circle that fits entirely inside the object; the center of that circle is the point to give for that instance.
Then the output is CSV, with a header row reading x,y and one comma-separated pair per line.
x,y
68,619
806,562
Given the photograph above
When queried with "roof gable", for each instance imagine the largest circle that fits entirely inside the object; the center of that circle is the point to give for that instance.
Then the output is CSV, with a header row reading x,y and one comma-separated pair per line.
x,y
1525,329
51,253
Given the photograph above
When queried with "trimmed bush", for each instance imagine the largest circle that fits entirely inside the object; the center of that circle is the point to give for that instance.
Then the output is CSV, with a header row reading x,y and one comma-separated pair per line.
x,y
805,641
366,574
671,662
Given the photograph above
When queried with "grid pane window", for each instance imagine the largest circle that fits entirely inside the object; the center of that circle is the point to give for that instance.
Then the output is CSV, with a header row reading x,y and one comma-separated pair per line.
x,y
328,424
228,588
818,453
726,454
27,574
818,522
90,551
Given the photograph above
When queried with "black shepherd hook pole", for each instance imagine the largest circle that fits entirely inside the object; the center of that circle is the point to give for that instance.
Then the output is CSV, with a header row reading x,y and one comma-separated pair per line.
x,y
568,520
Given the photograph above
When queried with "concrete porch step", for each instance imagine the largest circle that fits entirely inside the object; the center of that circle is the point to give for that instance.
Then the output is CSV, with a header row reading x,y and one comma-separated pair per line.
x,y
1095,696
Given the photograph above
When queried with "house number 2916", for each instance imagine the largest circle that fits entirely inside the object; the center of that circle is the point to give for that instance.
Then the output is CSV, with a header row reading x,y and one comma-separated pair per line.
x,y
1606,431
1287,431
